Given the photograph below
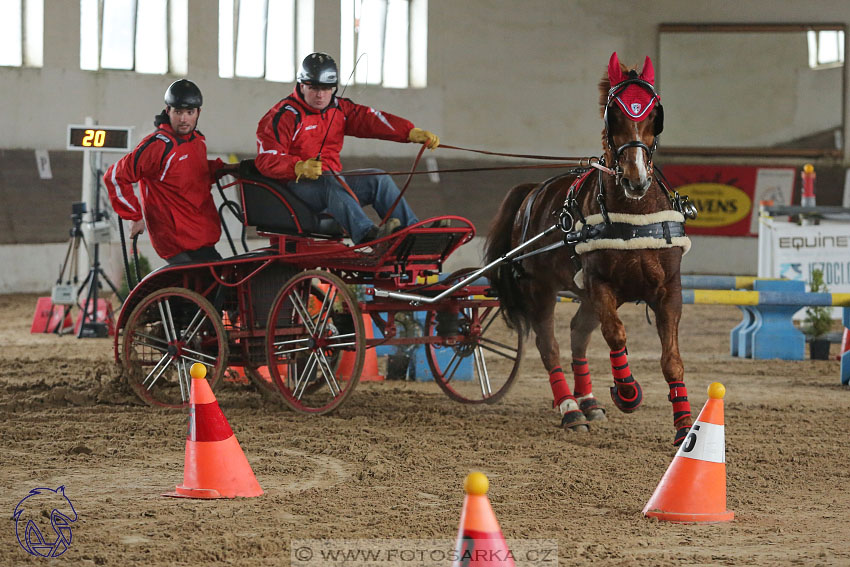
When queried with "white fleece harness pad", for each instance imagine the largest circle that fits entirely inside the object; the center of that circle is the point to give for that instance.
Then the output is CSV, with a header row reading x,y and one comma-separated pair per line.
x,y
639,243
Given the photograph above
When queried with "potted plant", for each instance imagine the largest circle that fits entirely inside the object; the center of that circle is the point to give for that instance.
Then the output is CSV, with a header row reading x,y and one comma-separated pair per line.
x,y
818,321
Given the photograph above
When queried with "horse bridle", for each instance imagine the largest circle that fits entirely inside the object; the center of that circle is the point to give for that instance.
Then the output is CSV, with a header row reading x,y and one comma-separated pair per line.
x,y
658,125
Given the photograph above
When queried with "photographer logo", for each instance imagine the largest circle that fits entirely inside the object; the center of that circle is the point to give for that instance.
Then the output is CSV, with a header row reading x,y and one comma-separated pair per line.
x,y
43,521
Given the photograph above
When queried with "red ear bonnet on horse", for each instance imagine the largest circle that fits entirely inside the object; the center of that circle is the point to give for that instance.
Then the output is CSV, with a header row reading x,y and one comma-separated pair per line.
x,y
635,100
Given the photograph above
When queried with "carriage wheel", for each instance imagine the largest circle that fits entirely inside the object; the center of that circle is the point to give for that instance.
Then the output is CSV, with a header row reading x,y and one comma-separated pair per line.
x,y
483,364
166,333
308,332
260,375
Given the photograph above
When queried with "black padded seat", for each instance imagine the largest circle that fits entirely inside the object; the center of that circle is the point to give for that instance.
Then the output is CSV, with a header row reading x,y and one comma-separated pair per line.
x,y
270,205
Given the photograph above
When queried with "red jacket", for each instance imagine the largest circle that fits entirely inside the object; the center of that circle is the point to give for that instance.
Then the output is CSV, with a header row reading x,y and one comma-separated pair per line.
x,y
293,131
174,177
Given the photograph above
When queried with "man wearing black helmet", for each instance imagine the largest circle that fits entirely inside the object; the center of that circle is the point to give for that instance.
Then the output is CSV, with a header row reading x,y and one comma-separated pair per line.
x,y
174,176
302,135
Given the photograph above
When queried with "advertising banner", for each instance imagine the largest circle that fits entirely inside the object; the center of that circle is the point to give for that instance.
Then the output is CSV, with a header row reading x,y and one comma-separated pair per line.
x,y
727,196
788,250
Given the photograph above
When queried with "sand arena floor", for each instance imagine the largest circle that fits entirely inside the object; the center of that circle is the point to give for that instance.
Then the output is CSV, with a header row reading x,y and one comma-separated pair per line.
x,y
391,462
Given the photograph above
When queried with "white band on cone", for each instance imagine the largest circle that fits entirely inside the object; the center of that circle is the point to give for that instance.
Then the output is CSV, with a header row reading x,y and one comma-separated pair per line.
x,y
704,442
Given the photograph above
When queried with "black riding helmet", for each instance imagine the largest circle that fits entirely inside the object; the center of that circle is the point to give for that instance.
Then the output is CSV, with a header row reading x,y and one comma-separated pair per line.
x,y
319,70
184,94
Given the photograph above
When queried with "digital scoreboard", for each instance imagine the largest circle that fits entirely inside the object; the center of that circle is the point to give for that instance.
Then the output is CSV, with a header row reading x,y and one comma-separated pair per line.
x,y
99,138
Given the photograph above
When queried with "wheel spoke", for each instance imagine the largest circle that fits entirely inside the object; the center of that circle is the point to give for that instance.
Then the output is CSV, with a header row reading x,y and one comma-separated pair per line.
x,y
292,341
485,344
484,317
181,369
452,366
325,311
483,376
303,312
327,371
285,352
198,356
197,326
167,321
304,378
161,370
332,341
162,347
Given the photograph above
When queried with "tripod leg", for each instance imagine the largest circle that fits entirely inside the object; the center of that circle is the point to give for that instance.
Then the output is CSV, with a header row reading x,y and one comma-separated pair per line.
x,y
110,284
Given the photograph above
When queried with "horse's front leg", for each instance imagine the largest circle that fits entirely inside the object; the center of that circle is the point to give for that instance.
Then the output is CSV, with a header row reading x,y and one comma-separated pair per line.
x,y
543,324
583,324
626,392
667,316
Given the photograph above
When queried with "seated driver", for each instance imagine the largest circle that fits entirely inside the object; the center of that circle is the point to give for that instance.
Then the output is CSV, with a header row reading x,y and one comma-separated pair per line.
x,y
302,136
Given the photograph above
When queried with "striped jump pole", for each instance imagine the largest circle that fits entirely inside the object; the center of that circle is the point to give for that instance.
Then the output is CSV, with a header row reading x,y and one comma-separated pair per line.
x,y
722,282
745,297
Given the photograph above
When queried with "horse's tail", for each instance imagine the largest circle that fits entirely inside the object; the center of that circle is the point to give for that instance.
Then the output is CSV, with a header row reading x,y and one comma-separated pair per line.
x,y
503,277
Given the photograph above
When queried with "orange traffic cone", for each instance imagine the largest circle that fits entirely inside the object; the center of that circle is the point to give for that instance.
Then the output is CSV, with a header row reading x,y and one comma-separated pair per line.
x,y
370,362
215,466
693,490
479,537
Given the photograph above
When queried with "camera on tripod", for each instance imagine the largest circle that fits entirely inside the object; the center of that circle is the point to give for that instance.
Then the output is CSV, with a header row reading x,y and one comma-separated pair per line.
x,y
78,209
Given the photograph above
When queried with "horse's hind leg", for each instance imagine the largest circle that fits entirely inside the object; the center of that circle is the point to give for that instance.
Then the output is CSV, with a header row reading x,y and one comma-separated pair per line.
x,y
584,322
626,392
543,324
667,317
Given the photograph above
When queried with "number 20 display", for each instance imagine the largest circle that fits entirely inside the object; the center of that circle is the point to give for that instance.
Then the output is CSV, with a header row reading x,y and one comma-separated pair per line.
x,y
102,138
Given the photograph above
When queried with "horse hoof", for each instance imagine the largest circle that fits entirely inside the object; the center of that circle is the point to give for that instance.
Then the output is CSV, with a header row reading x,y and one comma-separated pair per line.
x,y
591,409
574,420
681,433
627,406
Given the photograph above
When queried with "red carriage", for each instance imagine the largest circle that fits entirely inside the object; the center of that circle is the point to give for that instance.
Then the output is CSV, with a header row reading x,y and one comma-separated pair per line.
x,y
291,312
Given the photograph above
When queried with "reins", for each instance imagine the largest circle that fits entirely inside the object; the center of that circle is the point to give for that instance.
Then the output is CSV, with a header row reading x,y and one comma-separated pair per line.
x,y
564,162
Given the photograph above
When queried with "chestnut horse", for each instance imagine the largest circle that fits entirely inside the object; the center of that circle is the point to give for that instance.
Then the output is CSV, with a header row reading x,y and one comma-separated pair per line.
x,y
621,239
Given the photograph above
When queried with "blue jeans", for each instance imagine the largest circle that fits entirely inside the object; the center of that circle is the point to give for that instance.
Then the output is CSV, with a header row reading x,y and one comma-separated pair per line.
x,y
326,195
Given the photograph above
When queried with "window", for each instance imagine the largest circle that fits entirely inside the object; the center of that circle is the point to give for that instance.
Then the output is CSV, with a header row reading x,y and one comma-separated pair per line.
x,y
384,42
826,48
21,33
146,36
264,38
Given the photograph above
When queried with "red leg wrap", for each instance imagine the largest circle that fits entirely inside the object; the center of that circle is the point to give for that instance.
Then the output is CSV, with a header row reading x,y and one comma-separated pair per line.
x,y
620,367
679,398
623,378
560,389
581,373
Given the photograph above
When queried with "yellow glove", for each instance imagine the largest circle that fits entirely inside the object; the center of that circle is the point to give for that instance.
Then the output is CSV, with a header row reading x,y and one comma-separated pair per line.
x,y
420,136
311,169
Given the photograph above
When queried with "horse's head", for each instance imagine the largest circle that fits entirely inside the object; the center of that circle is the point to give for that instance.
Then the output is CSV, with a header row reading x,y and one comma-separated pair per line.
x,y
634,117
